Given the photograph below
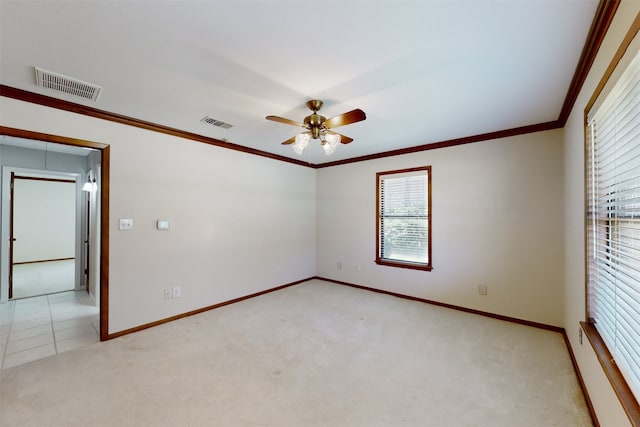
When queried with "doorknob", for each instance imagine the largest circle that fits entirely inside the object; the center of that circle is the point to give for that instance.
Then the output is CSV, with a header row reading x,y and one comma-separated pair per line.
x,y
13,239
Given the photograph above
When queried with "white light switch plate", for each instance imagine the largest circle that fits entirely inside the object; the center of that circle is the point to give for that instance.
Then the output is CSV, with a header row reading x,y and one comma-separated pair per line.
x,y
126,224
164,224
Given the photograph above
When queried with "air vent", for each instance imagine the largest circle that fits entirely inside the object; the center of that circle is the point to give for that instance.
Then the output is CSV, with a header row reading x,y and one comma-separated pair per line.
x,y
66,84
216,122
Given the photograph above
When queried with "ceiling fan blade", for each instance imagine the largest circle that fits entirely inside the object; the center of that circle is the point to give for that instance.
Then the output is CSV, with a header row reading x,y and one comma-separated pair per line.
x,y
345,139
352,116
285,121
289,141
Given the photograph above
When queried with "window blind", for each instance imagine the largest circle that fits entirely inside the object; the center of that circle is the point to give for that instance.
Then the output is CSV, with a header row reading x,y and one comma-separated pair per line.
x,y
613,222
404,217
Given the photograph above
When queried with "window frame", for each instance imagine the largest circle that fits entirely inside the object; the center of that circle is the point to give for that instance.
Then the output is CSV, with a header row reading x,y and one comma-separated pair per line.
x,y
613,373
428,266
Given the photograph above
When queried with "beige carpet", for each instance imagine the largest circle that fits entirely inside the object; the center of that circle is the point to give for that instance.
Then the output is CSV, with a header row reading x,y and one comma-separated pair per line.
x,y
316,354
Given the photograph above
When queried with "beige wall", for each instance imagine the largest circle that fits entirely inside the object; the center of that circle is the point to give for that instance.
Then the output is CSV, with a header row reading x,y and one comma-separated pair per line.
x,y
604,400
497,220
240,223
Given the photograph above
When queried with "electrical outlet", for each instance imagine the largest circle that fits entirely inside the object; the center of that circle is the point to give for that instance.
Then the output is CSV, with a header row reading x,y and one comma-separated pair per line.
x,y
339,265
176,291
167,293
125,224
482,289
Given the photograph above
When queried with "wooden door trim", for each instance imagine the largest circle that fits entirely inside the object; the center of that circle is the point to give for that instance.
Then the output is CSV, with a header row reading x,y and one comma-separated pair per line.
x,y
11,194
104,209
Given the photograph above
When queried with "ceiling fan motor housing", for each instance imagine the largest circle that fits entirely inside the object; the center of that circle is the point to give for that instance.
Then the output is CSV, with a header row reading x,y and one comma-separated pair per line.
x,y
315,123
314,105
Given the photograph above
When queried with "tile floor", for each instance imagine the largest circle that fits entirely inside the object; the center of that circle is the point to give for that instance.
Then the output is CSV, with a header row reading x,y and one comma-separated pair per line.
x,y
43,278
33,328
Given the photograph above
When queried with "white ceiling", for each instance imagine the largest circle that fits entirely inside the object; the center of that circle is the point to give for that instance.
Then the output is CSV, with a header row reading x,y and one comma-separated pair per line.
x,y
423,71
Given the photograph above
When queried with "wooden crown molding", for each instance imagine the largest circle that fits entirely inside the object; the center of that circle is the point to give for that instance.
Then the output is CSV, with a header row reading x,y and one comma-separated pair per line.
x,y
599,27
448,143
622,49
604,15
47,101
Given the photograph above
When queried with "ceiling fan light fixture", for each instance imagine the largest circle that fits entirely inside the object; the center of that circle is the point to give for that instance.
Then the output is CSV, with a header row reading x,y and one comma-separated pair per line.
x,y
332,138
330,142
302,141
328,148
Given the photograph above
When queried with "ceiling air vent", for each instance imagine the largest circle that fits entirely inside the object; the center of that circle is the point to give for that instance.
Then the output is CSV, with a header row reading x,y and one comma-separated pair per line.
x,y
66,84
216,122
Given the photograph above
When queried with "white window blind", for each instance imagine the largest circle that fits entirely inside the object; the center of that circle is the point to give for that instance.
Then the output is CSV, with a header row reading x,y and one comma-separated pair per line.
x,y
403,216
613,222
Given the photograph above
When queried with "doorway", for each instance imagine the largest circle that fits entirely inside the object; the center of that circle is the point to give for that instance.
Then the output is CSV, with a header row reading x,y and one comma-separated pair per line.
x,y
90,252
43,225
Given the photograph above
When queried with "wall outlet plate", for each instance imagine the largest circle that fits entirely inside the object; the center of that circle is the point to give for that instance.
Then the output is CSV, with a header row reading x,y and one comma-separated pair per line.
x,y
125,224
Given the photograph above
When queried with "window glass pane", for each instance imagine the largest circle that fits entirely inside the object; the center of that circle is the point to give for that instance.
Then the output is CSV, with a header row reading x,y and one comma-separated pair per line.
x,y
405,239
403,216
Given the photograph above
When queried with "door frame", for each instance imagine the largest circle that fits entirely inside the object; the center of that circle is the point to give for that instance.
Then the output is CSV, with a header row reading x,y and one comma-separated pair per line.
x,y
85,239
9,291
103,185
9,175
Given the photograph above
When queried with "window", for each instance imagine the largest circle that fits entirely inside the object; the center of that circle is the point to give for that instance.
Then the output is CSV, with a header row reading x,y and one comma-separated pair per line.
x,y
404,218
613,223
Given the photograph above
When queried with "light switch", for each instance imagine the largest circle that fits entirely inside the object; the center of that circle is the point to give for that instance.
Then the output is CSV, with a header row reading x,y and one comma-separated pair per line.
x,y
164,224
126,224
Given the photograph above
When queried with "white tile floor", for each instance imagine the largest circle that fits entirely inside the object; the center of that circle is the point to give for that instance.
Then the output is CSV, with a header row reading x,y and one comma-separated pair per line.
x,y
33,328
43,278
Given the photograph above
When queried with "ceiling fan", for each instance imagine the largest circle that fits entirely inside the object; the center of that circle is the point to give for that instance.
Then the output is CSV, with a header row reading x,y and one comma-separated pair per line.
x,y
319,127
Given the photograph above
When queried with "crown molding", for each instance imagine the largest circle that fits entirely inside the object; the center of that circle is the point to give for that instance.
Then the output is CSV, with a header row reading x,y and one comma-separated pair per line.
x,y
601,22
48,101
